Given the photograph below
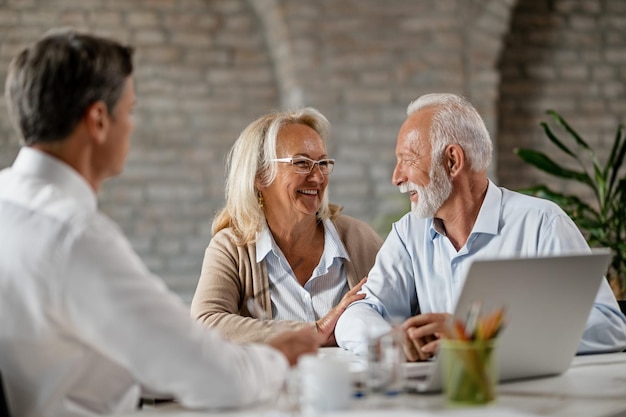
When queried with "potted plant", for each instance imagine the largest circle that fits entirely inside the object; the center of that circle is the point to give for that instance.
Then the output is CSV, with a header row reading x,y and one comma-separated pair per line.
x,y
603,222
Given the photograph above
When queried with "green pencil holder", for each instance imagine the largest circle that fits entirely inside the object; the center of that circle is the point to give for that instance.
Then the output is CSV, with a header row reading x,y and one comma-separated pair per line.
x,y
469,372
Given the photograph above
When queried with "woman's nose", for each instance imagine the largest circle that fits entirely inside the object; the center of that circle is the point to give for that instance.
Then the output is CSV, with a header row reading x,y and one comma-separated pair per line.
x,y
316,172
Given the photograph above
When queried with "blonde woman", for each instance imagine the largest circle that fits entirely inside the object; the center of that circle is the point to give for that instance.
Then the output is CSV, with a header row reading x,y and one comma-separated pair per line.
x,y
278,240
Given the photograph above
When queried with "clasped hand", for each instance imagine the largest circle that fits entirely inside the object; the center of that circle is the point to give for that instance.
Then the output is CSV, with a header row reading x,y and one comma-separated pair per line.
x,y
422,334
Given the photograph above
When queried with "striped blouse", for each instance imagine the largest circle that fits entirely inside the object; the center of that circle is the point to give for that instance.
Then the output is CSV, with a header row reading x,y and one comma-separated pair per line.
x,y
324,289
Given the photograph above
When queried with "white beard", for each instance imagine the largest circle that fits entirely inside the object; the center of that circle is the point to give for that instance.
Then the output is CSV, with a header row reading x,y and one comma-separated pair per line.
x,y
431,197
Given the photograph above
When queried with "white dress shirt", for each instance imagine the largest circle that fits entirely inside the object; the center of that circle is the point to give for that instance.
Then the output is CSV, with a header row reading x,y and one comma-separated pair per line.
x,y
85,325
418,270
324,289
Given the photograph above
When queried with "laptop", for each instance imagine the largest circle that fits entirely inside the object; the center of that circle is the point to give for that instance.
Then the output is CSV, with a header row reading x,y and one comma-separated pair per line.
x,y
547,302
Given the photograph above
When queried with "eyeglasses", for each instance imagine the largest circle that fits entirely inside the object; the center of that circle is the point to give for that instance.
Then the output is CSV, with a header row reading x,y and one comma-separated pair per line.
x,y
304,165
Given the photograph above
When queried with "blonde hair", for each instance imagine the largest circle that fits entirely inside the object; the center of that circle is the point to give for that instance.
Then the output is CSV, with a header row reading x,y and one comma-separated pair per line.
x,y
249,160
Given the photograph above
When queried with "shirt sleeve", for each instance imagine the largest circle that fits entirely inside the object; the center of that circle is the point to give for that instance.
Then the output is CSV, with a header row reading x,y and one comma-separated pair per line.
x,y
390,296
119,309
222,287
605,330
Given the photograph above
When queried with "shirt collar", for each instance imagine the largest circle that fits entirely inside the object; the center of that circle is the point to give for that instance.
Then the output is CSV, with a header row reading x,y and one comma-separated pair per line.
x,y
35,163
488,217
333,247
333,242
264,242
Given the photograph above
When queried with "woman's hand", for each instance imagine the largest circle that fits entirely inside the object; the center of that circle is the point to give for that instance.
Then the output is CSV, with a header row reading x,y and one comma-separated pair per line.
x,y
326,325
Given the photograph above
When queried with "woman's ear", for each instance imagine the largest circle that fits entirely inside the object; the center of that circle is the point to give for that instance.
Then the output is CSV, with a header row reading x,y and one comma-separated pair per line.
x,y
454,159
97,121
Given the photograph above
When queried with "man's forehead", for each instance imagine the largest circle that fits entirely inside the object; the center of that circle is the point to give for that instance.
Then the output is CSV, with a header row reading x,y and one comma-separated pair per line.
x,y
413,136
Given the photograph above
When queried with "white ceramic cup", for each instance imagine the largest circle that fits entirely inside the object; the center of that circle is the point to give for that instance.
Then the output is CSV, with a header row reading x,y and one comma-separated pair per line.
x,y
325,384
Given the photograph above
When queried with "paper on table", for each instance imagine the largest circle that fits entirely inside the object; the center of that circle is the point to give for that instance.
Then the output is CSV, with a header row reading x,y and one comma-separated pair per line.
x,y
462,412
358,364
465,412
418,369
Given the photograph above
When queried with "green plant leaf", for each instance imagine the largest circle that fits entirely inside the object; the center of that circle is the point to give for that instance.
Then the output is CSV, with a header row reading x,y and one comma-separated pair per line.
x,y
550,134
619,207
622,194
600,187
569,129
614,149
544,163
602,225
619,158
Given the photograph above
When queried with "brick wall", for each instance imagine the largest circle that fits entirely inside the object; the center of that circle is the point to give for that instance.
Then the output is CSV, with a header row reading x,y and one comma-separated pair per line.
x,y
568,56
205,69
202,73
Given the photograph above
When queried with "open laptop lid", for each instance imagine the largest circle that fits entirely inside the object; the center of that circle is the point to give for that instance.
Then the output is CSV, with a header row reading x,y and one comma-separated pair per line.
x,y
547,302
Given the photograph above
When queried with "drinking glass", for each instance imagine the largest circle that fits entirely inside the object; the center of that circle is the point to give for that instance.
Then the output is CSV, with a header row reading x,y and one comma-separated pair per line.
x,y
385,374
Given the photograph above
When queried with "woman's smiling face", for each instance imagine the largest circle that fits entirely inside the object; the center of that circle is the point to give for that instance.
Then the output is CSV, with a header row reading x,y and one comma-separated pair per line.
x,y
292,194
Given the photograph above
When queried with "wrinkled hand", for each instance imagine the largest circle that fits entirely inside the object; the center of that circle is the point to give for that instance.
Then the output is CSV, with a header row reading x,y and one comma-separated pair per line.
x,y
326,325
294,344
422,334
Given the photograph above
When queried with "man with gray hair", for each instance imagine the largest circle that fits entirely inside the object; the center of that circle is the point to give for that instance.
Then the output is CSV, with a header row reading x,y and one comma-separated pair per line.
x,y
85,324
457,215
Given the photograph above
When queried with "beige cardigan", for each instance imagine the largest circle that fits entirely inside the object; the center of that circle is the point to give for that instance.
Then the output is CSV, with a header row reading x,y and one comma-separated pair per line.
x,y
230,275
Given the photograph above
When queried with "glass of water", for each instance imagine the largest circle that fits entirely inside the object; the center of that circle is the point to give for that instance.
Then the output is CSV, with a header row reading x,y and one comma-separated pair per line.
x,y
385,374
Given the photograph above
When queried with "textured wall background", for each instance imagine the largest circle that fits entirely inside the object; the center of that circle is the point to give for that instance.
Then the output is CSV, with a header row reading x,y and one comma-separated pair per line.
x,y
206,68
568,56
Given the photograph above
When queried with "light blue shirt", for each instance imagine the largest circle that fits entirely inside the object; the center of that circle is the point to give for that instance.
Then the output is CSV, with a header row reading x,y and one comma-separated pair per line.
x,y
418,270
327,285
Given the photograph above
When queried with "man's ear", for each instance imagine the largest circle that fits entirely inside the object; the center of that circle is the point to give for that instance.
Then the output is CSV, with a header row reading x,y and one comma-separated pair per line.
x,y
454,159
97,121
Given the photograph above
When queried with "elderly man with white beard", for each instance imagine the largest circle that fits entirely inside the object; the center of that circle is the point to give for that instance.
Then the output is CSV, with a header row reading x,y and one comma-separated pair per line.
x,y
457,215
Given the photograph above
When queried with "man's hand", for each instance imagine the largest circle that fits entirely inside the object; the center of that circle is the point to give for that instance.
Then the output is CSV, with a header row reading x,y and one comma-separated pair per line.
x,y
326,325
422,334
294,344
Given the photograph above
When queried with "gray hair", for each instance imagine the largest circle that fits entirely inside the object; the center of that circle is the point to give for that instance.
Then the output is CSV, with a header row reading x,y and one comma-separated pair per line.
x,y
456,121
249,161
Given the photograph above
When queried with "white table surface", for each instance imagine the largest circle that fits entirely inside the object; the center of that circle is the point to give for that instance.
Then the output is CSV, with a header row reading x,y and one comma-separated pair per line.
x,y
594,386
